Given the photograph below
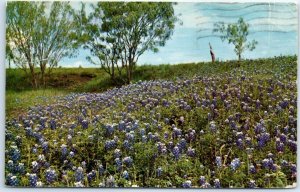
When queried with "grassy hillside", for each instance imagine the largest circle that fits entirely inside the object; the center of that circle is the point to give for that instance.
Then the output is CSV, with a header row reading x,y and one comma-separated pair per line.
x,y
96,80
205,125
19,94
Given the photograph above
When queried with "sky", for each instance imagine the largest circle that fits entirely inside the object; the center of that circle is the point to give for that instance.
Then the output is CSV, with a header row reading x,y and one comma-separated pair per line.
x,y
273,25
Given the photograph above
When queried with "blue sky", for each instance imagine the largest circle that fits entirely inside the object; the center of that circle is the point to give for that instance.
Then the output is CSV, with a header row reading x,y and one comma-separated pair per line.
x,y
273,25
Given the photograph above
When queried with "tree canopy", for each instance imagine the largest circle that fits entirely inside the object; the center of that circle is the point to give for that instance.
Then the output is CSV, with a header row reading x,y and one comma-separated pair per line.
x,y
38,36
236,34
118,33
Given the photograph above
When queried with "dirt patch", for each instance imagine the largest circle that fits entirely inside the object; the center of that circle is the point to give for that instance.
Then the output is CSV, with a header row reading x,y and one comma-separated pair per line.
x,y
69,80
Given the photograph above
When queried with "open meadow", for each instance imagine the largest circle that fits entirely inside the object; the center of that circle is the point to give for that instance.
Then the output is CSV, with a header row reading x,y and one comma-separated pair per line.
x,y
217,125
149,94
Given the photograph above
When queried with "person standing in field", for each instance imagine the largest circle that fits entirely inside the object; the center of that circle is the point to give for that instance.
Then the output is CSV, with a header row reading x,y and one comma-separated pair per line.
x,y
212,54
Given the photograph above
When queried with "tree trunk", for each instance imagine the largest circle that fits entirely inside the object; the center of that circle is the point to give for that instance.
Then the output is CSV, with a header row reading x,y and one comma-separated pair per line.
x,y
130,63
113,72
130,70
112,78
43,68
43,78
239,62
33,77
128,75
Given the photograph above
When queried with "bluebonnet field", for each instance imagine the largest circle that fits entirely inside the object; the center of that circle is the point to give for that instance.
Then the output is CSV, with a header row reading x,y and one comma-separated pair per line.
x,y
230,129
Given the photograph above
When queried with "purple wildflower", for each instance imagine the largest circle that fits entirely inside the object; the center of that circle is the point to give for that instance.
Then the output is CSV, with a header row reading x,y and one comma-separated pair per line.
x,y
50,175
79,175
187,184
219,161
217,183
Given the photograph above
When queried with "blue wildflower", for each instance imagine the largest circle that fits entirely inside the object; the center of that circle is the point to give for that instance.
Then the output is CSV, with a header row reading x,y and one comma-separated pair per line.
x,y
126,144
235,163
219,161
45,147
117,153
12,180
212,126
176,152
182,144
91,175
252,169
292,145
127,161
10,166
252,184
159,171
50,175
14,153
125,175
33,180
279,146
206,185
79,174
71,154
191,152
52,124
35,166
20,168
84,124
293,168
201,180
118,163
142,132
187,184
217,183
284,163
64,150
110,144
101,169
109,129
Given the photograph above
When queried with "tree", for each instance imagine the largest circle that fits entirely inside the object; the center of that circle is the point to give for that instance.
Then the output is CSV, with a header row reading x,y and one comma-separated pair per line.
x,y
120,32
9,53
40,37
104,49
236,34
20,19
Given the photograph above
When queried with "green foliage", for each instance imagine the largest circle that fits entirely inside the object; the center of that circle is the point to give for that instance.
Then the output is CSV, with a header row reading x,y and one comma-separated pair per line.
x,y
236,34
118,33
74,79
37,38
18,101
207,145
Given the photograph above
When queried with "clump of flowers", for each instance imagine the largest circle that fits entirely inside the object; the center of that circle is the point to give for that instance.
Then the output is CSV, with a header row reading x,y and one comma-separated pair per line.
x,y
50,175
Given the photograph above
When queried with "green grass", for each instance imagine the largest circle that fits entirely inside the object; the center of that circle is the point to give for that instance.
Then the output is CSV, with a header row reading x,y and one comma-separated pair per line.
x,y
65,78
18,101
96,80
20,95
247,78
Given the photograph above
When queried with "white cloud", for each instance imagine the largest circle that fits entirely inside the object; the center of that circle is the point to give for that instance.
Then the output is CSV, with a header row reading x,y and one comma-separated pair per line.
x,y
189,15
74,63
